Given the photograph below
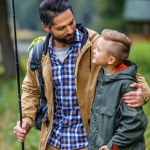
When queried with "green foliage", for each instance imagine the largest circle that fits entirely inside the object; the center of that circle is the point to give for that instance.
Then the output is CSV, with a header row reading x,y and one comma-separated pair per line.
x,y
83,11
140,54
27,15
9,111
110,13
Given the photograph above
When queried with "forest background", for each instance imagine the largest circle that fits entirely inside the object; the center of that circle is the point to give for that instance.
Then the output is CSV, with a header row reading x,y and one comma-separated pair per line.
x,y
94,14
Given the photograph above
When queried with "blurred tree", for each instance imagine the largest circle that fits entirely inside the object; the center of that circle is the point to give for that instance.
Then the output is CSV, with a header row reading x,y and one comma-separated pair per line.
x,y
109,14
83,11
5,41
27,14
95,14
28,18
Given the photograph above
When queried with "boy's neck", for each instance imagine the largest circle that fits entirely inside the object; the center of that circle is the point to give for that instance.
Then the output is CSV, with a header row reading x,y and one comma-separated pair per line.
x,y
109,70
113,69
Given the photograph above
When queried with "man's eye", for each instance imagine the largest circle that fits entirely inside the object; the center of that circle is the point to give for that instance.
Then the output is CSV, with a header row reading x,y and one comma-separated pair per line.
x,y
60,28
71,22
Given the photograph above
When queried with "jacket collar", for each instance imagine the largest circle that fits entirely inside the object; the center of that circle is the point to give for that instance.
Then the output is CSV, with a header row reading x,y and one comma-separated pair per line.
x,y
82,29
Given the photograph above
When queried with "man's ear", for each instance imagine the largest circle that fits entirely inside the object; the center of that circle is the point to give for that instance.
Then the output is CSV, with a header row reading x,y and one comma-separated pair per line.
x,y
111,60
46,28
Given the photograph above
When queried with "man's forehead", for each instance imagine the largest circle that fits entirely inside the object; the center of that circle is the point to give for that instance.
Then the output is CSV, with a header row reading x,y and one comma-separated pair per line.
x,y
63,18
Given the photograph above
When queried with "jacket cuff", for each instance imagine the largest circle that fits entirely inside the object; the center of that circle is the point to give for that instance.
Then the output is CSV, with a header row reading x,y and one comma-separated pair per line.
x,y
111,146
28,121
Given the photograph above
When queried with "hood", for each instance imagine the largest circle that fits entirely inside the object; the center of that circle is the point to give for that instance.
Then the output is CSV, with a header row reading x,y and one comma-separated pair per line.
x,y
82,29
128,73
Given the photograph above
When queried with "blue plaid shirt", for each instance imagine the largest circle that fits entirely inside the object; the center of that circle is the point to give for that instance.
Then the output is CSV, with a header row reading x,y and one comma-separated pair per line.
x,y
68,132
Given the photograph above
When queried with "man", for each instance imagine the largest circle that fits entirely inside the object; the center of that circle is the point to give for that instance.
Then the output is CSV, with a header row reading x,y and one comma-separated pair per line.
x,y
70,81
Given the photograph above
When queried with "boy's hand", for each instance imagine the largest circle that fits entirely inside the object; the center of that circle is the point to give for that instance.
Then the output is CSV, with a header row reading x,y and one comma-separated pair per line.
x,y
134,98
104,148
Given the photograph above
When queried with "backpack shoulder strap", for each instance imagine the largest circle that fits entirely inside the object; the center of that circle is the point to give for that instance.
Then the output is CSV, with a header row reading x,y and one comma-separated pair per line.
x,y
36,55
35,64
36,40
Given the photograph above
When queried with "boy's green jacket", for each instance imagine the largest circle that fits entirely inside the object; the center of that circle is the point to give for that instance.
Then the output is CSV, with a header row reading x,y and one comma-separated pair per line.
x,y
112,121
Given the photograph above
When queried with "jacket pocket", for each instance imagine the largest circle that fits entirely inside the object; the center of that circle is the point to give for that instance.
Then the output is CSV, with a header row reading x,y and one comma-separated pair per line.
x,y
107,123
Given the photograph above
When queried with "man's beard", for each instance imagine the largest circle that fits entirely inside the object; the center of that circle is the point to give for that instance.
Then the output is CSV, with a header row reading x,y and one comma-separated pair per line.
x,y
64,39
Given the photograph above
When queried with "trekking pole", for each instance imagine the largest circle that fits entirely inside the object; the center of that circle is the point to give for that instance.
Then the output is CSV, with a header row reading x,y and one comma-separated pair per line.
x,y
17,68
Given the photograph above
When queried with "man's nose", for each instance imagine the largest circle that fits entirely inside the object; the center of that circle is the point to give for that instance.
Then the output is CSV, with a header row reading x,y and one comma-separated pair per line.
x,y
69,30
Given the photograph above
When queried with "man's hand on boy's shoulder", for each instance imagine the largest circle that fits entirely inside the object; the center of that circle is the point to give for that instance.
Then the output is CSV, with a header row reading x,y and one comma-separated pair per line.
x,y
134,98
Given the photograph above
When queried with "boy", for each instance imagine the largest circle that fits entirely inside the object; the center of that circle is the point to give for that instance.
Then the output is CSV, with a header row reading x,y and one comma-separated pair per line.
x,y
113,124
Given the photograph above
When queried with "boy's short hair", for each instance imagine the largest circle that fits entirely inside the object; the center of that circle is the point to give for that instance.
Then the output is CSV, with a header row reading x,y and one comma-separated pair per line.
x,y
119,46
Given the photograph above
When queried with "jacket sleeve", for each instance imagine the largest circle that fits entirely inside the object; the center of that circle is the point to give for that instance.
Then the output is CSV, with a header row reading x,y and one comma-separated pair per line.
x,y
144,85
131,125
30,94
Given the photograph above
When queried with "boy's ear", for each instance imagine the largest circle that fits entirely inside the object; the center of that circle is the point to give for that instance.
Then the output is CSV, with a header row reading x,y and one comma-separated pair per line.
x,y
111,60
45,27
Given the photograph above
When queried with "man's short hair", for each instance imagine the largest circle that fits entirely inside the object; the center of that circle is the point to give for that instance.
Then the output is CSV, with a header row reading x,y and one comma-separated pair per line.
x,y
119,44
51,8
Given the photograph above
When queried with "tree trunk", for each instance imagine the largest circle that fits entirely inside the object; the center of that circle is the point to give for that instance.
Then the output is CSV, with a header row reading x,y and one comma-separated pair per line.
x,y
5,41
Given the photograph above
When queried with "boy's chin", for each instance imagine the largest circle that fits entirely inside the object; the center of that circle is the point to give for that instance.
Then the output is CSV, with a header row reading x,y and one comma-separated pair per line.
x,y
94,61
